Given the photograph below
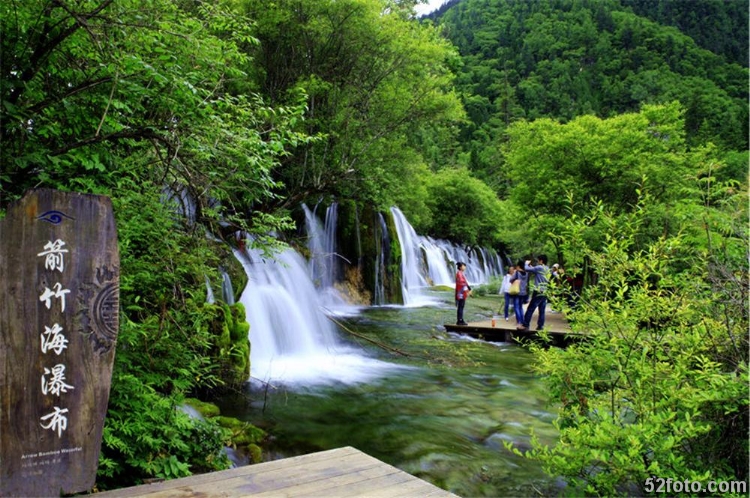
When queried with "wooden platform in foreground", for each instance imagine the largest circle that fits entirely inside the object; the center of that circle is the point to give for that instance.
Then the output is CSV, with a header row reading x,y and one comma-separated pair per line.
x,y
339,472
505,331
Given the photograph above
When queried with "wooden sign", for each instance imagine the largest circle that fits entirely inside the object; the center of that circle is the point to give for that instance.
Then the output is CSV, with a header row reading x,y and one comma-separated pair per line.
x,y
59,303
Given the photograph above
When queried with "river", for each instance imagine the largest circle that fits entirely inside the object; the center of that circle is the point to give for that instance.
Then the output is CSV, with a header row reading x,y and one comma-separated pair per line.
x,y
441,409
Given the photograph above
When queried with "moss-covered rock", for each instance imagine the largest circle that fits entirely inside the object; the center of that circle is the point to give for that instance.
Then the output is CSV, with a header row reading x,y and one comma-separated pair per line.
x,y
239,329
245,437
230,349
207,410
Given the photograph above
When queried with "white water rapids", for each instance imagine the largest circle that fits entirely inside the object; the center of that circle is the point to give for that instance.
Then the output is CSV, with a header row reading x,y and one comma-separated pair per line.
x,y
290,302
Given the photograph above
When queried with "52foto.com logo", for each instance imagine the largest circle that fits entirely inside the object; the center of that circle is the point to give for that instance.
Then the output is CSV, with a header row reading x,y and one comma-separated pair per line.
x,y
669,485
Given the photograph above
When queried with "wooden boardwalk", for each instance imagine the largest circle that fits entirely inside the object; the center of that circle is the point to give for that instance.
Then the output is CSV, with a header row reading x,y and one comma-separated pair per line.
x,y
554,324
341,472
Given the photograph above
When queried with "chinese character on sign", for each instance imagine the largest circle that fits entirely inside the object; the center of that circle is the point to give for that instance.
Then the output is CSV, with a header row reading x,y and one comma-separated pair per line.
x,y
48,294
57,421
56,384
54,255
54,340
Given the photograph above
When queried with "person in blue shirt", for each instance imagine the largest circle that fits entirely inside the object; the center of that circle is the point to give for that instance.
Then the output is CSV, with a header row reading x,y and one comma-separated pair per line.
x,y
540,272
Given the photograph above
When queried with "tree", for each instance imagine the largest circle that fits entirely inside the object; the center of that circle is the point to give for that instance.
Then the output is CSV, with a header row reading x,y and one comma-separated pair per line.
x,y
711,23
659,386
464,209
596,159
88,84
565,59
146,101
378,89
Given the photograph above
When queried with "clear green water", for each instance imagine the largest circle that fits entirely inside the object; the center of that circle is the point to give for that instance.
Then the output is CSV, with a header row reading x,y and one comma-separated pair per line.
x,y
444,420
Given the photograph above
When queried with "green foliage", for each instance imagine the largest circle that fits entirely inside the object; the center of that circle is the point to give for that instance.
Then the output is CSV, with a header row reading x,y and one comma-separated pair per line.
x,y
610,160
713,24
141,89
464,209
565,59
146,436
148,101
660,386
163,351
488,289
378,89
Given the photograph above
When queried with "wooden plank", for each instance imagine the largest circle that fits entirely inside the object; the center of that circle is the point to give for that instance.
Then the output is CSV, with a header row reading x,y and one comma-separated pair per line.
x,y
339,472
556,326
286,465
259,481
414,487
365,487
346,479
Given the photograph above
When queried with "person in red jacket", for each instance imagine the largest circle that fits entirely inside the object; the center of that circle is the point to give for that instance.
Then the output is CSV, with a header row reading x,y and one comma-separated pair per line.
x,y
462,292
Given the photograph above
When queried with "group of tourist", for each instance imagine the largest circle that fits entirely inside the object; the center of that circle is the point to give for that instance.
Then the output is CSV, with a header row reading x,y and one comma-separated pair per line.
x,y
524,283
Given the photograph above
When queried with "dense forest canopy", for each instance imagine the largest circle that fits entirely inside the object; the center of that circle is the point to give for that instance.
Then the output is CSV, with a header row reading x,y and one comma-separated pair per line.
x,y
713,24
581,128
526,60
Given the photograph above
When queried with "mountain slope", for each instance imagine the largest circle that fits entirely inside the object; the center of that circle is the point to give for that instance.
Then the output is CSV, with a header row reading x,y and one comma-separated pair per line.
x,y
566,58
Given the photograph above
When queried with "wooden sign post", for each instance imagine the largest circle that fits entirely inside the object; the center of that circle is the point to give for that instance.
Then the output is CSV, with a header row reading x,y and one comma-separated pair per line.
x,y
59,304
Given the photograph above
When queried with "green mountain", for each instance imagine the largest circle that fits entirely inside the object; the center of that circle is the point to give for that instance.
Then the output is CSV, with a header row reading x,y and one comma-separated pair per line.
x,y
567,58
720,26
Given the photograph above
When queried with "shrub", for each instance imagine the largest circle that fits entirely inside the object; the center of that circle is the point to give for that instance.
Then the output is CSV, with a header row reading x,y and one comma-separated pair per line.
x,y
660,388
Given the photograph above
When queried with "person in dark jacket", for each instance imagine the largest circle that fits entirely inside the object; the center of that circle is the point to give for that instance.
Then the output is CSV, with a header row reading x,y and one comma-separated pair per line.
x,y
541,273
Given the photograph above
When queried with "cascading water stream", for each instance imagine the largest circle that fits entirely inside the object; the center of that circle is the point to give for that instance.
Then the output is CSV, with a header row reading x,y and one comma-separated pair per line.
x,y
412,268
428,261
227,291
323,264
382,243
438,263
320,252
293,341
289,300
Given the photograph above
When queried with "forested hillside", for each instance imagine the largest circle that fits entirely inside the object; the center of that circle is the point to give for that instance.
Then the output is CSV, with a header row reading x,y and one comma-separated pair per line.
x,y
610,134
713,24
561,59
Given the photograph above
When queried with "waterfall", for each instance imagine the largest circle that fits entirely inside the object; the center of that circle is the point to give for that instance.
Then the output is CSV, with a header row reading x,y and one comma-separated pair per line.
x,y
413,270
322,245
227,292
293,341
210,299
383,246
428,261
323,264
439,264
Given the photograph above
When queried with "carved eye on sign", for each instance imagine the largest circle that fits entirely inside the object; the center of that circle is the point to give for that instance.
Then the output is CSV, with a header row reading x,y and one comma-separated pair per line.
x,y
53,216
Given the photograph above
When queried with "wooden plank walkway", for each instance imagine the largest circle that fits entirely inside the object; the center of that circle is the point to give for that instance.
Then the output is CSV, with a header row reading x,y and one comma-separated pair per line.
x,y
554,323
334,473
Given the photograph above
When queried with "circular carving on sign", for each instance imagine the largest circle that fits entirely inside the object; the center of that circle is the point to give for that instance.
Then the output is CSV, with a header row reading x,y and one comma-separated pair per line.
x,y
99,309
105,311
